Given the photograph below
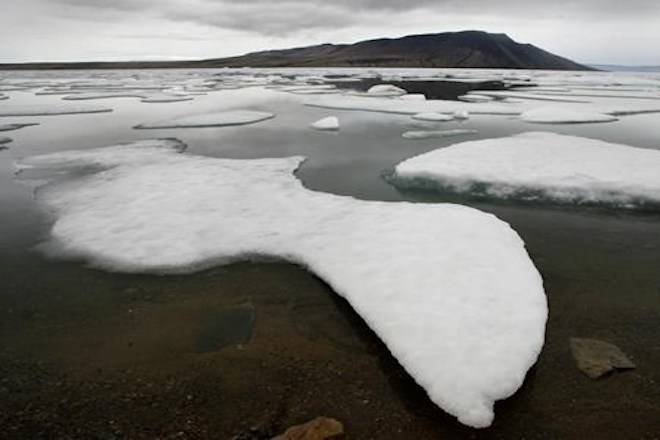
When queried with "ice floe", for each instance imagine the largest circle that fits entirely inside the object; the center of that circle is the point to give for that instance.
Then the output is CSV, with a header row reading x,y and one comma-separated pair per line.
x,y
540,166
331,123
386,90
217,119
4,140
49,110
450,290
16,126
475,98
411,107
429,134
564,115
433,117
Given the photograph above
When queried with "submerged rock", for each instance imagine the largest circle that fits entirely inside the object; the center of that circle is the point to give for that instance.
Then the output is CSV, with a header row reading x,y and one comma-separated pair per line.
x,y
318,429
597,358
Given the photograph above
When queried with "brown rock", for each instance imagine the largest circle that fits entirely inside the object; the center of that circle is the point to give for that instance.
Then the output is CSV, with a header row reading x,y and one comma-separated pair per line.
x,y
597,358
318,429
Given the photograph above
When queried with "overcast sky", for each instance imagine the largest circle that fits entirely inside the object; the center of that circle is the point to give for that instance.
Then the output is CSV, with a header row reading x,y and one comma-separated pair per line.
x,y
588,31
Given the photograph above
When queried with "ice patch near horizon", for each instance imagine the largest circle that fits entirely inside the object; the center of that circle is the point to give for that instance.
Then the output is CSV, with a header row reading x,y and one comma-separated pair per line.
x,y
16,126
540,166
431,134
217,119
433,117
331,123
411,107
49,110
386,90
450,290
564,115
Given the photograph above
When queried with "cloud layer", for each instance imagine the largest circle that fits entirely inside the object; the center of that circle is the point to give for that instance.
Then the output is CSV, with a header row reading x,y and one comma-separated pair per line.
x,y
590,30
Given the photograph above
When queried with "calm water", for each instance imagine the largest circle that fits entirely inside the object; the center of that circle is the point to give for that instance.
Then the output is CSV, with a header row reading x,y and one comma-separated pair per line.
x,y
91,354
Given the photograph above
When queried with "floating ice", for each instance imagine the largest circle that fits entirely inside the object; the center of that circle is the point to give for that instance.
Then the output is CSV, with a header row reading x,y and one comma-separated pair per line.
x,y
546,166
51,110
386,90
450,290
429,134
526,95
3,96
17,126
414,97
4,140
218,119
433,117
475,98
331,123
410,107
563,115
461,115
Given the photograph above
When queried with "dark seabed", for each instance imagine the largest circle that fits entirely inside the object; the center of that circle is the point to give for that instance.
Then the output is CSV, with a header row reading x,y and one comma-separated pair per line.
x,y
252,348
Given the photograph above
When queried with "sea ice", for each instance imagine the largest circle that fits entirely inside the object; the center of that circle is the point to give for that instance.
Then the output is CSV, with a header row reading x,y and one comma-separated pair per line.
x,y
50,110
16,126
386,90
331,123
429,134
4,140
433,117
218,119
450,290
475,98
540,166
410,107
563,115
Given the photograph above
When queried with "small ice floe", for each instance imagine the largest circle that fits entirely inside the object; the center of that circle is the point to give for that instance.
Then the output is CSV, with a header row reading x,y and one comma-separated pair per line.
x,y
88,96
540,166
433,117
386,90
4,140
411,107
429,134
16,126
50,110
331,123
163,99
218,119
457,301
461,115
531,96
475,98
414,97
563,115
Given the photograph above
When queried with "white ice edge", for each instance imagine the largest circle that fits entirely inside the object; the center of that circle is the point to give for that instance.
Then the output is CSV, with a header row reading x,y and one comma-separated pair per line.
x,y
540,165
450,290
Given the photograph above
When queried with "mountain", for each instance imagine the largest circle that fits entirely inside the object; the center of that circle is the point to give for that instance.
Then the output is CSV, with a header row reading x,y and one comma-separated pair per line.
x,y
466,49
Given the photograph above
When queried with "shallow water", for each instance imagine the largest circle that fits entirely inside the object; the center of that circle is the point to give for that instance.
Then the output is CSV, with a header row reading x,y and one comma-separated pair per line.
x,y
159,355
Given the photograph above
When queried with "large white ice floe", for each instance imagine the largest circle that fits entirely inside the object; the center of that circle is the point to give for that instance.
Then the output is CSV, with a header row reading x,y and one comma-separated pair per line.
x,y
430,134
450,290
49,110
331,123
217,119
564,115
540,166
